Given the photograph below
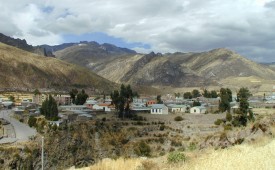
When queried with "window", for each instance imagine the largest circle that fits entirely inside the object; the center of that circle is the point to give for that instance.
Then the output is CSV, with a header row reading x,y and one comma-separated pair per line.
x,y
195,110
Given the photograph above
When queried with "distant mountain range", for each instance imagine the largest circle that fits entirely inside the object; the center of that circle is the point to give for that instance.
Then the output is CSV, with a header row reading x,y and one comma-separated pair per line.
x,y
177,70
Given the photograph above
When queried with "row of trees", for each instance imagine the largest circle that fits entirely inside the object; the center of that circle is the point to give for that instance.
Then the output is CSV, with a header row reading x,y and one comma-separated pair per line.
x,y
122,99
78,98
49,109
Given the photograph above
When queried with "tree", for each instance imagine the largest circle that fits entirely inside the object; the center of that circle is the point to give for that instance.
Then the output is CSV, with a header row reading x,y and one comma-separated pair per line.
x,y
229,93
36,92
224,104
243,93
196,93
49,109
81,97
122,100
214,94
187,95
206,94
177,95
12,98
159,101
243,114
196,103
73,94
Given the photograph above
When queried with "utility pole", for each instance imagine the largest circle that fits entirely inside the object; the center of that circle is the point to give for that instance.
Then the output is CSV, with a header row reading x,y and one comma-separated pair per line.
x,y
42,155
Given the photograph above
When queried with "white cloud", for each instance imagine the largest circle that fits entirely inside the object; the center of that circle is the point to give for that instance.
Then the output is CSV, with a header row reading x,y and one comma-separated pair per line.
x,y
168,26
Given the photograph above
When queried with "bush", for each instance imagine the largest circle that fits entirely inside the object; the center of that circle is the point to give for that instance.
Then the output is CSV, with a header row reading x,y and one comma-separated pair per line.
x,y
175,157
142,149
192,146
228,117
178,118
218,122
227,127
32,121
161,128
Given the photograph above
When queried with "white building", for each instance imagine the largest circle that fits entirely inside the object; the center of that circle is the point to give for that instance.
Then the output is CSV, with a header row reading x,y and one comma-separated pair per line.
x,y
177,108
159,109
198,110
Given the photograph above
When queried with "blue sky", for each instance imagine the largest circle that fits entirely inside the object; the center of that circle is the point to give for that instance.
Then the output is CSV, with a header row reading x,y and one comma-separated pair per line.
x,y
244,26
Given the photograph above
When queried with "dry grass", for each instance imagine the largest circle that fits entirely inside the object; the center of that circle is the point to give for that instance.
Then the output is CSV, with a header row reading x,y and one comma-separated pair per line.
x,y
119,164
259,155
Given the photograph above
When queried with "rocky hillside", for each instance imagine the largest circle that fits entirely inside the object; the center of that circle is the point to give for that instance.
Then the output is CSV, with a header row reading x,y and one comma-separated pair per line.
x,y
182,69
22,69
22,44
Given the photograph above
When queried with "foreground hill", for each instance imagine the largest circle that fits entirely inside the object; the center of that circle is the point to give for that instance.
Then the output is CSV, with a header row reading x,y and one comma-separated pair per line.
x,y
21,69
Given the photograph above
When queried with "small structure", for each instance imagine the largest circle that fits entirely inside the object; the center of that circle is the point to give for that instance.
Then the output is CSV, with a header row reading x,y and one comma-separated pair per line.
x,y
151,102
84,117
90,103
174,108
102,106
198,110
159,109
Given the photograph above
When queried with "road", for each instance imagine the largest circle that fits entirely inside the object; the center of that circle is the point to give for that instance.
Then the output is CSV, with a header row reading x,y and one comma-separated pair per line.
x,y
16,131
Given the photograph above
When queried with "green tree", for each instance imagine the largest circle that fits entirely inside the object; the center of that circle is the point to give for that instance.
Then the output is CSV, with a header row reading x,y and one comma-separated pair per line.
x,y
49,109
81,97
159,101
122,100
243,114
229,93
206,94
224,104
187,95
36,92
196,93
12,98
177,95
73,94
214,94
196,103
32,121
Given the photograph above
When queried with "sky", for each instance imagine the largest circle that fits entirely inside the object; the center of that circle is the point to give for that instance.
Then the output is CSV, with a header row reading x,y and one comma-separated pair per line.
x,y
244,26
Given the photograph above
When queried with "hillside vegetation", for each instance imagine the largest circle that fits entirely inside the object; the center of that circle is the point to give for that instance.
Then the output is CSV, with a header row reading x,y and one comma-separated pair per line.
x,y
242,157
21,69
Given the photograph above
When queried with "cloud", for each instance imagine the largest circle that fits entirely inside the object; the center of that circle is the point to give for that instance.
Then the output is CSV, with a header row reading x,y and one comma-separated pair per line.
x,y
245,26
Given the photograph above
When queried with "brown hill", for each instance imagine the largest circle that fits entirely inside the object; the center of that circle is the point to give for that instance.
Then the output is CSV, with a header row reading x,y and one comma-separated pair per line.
x,y
210,68
21,69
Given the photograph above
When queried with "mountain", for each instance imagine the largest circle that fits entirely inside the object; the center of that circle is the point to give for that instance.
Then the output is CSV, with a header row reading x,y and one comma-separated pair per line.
x,y
22,69
22,44
179,69
89,53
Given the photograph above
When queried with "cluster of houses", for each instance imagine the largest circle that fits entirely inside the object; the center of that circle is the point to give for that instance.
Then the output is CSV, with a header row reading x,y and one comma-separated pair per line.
x,y
94,105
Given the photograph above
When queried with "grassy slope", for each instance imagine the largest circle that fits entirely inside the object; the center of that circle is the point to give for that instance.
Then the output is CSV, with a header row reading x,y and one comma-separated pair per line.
x,y
19,68
241,157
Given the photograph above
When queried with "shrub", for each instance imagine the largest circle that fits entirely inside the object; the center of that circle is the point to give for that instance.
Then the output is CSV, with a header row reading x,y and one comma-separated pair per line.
x,y
228,117
142,149
192,146
218,122
178,118
32,121
161,128
227,127
175,157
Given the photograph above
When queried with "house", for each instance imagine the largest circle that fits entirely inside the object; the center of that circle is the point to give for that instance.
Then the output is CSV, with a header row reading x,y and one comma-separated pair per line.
x,y
151,102
159,109
73,108
90,103
198,110
102,106
84,117
57,123
174,108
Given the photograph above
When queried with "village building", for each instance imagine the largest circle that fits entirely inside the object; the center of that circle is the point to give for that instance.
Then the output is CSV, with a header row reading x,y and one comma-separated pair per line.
x,y
159,109
198,110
